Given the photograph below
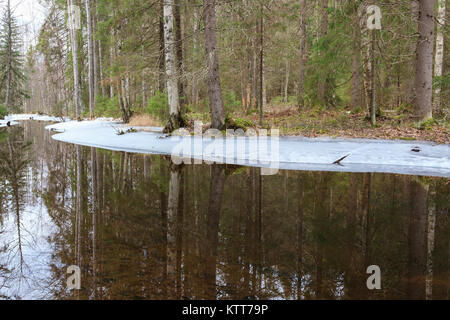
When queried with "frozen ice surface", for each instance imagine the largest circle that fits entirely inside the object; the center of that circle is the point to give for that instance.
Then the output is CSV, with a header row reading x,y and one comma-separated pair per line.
x,y
293,153
37,117
4,123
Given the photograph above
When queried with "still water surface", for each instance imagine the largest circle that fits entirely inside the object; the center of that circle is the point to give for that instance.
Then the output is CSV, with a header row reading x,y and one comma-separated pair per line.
x,y
142,228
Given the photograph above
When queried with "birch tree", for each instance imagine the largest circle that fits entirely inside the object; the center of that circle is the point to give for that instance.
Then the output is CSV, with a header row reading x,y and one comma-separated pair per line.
x,y
171,68
74,44
439,58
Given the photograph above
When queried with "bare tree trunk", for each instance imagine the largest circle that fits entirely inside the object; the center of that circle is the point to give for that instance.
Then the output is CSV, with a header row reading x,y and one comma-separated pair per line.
x,y
373,82
424,72
286,81
94,217
144,83
9,57
100,71
171,68
253,62
243,87
439,58
431,224
111,81
303,55
356,64
263,81
410,82
179,53
300,239
162,65
172,212
76,78
323,32
214,88
94,46
196,23
416,240
91,60
261,64
79,206
212,228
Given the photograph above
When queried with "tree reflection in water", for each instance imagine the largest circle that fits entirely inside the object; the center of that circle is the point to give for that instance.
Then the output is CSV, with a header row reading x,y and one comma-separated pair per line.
x,y
140,227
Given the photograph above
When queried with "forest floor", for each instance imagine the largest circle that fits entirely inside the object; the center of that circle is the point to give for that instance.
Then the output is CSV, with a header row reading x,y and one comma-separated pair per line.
x,y
312,123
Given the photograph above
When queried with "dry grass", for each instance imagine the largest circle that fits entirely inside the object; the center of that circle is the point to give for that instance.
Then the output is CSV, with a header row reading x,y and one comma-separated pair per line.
x,y
145,120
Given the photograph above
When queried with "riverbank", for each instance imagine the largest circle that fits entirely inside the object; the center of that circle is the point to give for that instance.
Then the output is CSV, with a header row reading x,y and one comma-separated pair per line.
x,y
395,124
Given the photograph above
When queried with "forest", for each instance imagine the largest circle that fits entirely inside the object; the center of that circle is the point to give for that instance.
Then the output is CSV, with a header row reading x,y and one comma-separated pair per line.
x,y
316,67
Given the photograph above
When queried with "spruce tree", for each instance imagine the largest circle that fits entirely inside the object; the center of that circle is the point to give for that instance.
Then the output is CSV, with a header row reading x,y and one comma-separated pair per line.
x,y
12,77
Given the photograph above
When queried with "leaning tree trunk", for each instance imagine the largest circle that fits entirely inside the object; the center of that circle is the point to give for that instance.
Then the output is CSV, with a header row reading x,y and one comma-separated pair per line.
x,y
214,89
439,58
424,72
171,68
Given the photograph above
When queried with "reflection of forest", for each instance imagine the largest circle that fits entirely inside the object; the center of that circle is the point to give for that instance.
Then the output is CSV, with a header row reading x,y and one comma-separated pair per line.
x,y
140,227
13,164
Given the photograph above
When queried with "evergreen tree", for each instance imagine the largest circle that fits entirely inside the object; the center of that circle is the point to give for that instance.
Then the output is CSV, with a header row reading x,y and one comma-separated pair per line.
x,y
12,77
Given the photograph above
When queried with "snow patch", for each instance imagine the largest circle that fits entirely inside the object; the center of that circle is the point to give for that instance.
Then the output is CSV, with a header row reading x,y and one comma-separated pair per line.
x,y
37,117
292,153
4,123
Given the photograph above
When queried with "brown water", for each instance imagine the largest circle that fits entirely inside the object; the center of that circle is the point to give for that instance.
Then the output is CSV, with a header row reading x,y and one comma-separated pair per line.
x,y
141,228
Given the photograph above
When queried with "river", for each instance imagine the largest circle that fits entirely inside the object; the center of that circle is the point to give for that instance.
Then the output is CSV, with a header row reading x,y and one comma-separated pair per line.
x,y
140,227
